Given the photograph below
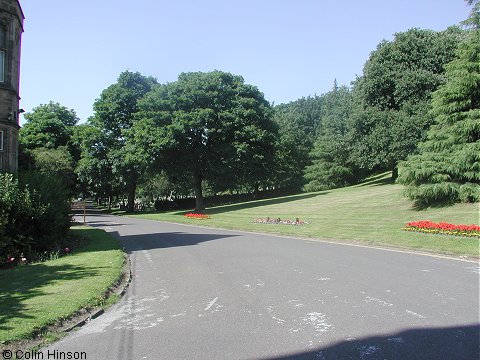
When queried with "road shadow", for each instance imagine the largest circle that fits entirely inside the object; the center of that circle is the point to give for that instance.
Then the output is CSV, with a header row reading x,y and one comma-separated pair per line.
x,y
165,240
89,211
94,223
452,343
19,285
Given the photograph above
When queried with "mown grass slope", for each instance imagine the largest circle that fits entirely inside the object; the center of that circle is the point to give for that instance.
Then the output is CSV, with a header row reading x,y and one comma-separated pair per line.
x,y
37,295
372,213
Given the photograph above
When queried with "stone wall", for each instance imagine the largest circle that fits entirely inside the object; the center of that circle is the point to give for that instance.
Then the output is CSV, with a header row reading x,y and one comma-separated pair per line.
x,y
11,20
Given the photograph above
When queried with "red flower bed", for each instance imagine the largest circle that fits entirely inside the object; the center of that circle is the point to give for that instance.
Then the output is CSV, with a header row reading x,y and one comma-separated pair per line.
x,y
197,216
431,227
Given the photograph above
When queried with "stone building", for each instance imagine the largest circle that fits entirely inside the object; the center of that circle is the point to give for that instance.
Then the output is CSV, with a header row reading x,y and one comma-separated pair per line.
x,y
11,29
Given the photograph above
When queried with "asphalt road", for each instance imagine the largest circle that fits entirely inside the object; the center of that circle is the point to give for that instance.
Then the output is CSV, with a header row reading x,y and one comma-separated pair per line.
x,y
200,293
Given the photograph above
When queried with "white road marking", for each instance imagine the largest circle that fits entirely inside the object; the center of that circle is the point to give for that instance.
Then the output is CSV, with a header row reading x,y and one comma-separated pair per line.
x,y
147,256
296,303
177,315
273,315
211,303
370,299
415,314
318,321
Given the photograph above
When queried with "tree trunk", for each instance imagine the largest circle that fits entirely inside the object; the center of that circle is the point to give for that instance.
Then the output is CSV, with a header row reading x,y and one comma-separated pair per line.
x,y
256,191
197,187
131,195
395,173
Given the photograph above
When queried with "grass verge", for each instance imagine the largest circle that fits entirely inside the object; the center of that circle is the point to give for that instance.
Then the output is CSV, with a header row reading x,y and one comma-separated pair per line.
x,y
35,296
372,213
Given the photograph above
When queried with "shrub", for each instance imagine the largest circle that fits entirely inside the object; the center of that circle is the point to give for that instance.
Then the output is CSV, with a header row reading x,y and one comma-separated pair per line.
x,y
34,215
15,207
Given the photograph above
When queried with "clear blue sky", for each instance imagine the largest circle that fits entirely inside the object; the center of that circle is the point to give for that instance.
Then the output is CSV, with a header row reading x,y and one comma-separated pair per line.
x,y
72,50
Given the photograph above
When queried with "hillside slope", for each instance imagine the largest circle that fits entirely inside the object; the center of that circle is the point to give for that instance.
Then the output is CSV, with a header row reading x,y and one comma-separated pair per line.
x,y
372,213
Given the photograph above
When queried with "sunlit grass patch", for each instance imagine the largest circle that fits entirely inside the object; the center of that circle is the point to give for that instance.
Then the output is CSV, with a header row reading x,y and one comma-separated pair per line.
x,y
372,213
37,295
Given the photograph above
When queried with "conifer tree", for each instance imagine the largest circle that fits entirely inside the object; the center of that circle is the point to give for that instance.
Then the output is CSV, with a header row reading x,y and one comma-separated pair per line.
x,y
331,165
447,169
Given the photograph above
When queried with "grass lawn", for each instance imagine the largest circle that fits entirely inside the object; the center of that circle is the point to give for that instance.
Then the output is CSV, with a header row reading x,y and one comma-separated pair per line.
x,y
37,295
372,213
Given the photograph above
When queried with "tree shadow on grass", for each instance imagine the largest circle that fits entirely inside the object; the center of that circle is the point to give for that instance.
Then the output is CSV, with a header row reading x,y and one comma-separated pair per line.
x,y
420,205
452,343
26,282
94,240
377,181
258,203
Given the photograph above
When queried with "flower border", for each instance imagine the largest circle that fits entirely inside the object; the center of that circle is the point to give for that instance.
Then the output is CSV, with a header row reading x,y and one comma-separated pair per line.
x,y
430,227
197,216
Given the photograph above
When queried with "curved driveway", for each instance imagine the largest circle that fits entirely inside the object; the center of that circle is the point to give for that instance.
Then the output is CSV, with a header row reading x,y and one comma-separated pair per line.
x,y
200,293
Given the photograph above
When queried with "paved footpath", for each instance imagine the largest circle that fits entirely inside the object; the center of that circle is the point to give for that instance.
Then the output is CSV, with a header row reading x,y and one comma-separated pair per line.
x,y
200,293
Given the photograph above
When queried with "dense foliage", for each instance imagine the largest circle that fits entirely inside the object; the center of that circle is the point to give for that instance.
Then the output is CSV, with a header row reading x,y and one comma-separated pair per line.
x,y
208,127
448,166
298,124
394,94
332,165
34,215
118,166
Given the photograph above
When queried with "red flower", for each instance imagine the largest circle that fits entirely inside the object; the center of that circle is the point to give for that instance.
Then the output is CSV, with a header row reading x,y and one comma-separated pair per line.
x,y
197,216
443,228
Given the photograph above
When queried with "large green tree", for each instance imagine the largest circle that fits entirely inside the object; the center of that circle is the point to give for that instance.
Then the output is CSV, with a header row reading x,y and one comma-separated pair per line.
x,y
94,169
331,165
46,143
299,122
114,116
408,68
394,95
210,127
53,110
448,166
48,125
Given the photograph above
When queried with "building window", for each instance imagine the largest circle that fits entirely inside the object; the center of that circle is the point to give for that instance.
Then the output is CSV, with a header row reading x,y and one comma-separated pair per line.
x,y
3,50
1,140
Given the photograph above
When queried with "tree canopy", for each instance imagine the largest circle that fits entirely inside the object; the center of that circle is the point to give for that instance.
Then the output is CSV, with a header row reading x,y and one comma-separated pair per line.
x,y
53,110
114,116
211,126
448,166
331,154
48,125
394,95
